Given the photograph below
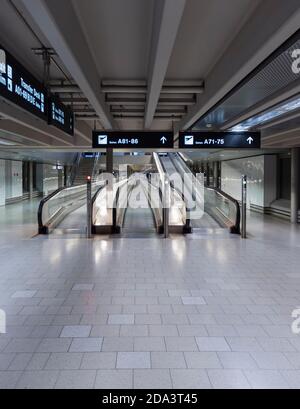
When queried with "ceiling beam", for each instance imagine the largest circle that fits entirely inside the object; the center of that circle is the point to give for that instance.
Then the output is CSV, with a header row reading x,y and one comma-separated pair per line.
x,y
26,133
245,53
19,116
167,18
57,19
83,131
39,131
286,140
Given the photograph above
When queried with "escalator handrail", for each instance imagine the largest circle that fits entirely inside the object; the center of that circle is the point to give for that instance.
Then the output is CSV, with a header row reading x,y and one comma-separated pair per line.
x,y
236,226
46,199
115,207
161,201
42,204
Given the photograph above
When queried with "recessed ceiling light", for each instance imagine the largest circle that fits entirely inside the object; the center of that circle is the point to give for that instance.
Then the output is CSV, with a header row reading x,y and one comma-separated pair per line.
x,y
7,143
208,125
279,110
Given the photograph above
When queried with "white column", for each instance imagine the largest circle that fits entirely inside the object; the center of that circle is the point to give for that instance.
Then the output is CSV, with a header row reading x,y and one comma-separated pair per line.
x,y
30,176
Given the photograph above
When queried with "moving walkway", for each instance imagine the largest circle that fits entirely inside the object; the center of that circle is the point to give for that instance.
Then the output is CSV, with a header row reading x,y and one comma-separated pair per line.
x,y
135,206
208,207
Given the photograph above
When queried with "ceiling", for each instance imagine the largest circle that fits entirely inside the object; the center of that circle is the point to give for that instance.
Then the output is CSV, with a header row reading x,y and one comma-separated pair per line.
x,y
140,64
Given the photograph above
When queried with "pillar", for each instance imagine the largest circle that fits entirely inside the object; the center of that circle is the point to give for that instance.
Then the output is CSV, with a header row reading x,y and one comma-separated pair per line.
x,y
109,160
295,153
207,174
216,175
60,178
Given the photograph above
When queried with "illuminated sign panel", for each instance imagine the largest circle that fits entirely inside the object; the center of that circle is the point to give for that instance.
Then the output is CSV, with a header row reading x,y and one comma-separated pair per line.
x,y
133,140
60,116
20,87
219,140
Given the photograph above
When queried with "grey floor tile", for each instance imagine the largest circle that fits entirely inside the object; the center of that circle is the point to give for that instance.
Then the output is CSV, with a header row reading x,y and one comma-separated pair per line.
x,y
144,344
134,331
212,344
271,360
262,379
105,331
237,360
114,379
148,319
192,330
83,287
99,360
292,378
276,345
24,294
83,379
64,360
133,360
55,345
246,344
86,345
181,344
167,360
38,361
202,360
6,360
9,379
21,345
116,319
193,301
152,379
20,362
76,331
38,380
228,379
163,330
116,344
294,358
190,379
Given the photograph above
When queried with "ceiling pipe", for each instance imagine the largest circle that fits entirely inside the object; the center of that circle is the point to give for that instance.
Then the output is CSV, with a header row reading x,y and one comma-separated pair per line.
x,y
143,89
68,89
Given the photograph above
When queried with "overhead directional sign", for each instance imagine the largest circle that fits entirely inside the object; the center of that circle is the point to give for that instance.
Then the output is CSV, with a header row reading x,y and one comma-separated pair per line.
x,y
20,87
219,140
60,116
133,140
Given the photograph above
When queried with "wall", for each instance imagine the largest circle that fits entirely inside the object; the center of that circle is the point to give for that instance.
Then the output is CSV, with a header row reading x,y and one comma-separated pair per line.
x,y
13,180
50,179
262,179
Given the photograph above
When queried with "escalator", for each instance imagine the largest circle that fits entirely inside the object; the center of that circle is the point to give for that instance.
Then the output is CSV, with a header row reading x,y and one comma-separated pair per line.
x,y
64,211
171,164
216,209
138,220
126,209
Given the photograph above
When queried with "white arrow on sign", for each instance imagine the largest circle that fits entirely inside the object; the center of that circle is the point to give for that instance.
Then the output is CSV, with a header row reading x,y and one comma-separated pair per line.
x,y
163,140
250,140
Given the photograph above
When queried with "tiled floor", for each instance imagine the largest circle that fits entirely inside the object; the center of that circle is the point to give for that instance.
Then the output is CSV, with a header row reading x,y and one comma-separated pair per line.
x,y
206,311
